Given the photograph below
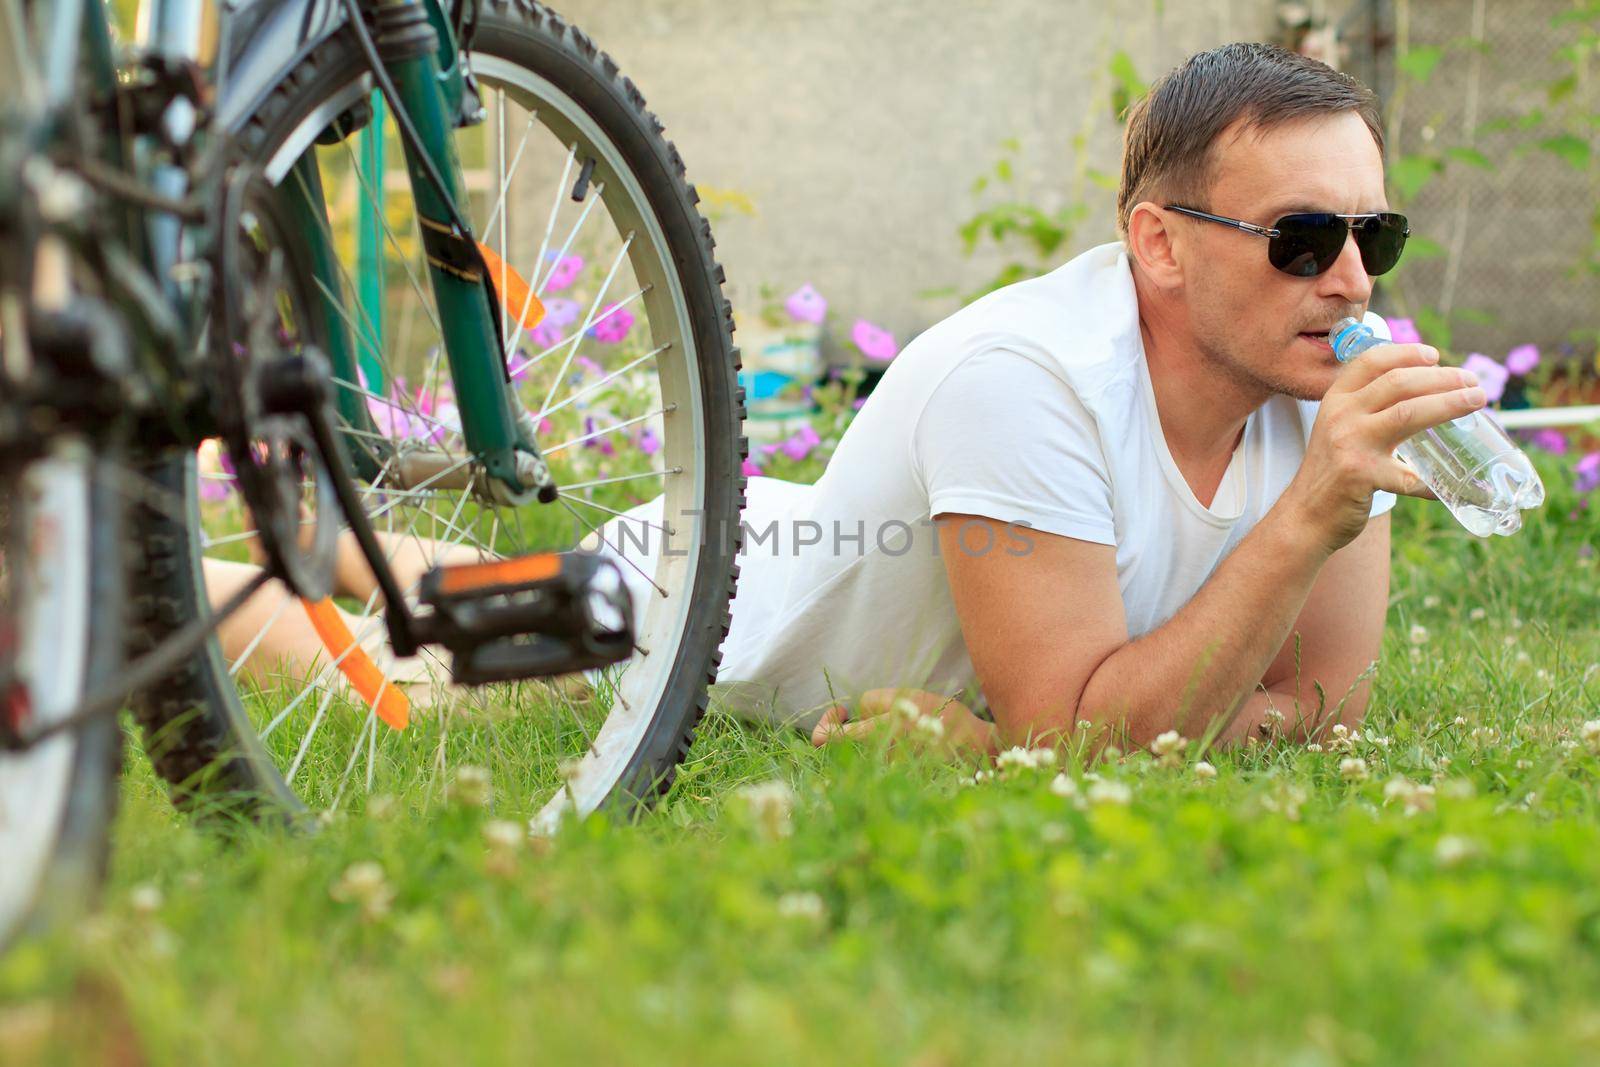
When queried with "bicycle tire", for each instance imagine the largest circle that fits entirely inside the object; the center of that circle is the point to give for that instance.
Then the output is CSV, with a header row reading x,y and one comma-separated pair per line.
x,y
56,850
197,732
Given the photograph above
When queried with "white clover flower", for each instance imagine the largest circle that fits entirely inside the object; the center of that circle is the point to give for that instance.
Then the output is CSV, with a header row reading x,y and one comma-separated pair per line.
x,y
769,804
1353,768
1453,850
1397,788
1460,720
929,728
145,898
364,885
1204,771
1477,614
1510,640
1523,659
472,786
1589,732
1341,730
504,836
906,709
1431,600
1044,758
1314,746
802,905
1516,623
1419,634
1014,758
1084,724
1416,655
1063,785
1110,792
1168,748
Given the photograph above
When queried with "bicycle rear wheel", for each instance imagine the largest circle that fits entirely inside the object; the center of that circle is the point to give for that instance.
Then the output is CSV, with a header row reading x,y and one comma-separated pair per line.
x,y
630,379
59,630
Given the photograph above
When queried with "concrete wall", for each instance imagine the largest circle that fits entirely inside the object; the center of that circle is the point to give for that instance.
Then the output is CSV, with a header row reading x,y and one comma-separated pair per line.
x,y
856,128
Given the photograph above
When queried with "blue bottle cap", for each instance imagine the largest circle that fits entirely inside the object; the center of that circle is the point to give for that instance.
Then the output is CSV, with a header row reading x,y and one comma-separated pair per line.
x,y
1341,332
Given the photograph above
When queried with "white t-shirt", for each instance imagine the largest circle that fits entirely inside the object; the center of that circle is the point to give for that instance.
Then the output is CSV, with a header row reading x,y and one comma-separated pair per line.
x,y
1032,406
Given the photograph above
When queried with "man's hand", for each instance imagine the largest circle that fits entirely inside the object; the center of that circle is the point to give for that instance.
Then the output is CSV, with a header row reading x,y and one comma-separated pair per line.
x,y
900,712
1378,400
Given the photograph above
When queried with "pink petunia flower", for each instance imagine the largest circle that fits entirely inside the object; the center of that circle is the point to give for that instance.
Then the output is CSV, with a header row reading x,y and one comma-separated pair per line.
x,y
874,341
1403,331
805,304
748,468
1588,471
1491,375
799,444
565,273
1522,359
1552,441
612,325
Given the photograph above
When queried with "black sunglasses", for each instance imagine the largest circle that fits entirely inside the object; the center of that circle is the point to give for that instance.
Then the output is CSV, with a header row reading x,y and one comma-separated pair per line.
x,y
1307,244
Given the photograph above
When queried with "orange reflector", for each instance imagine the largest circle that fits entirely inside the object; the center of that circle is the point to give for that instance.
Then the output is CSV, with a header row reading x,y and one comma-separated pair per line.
x,y
381,696
517,298
501,572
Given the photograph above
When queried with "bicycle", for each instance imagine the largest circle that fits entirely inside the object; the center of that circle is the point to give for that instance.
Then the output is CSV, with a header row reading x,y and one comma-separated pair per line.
x,y
222,415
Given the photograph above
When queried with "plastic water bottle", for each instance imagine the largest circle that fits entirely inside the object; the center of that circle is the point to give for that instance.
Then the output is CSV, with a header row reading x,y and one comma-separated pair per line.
x,y
1470,464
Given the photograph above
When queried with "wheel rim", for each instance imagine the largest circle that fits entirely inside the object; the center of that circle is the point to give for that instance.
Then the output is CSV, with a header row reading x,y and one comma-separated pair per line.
x,y
659,442
44,594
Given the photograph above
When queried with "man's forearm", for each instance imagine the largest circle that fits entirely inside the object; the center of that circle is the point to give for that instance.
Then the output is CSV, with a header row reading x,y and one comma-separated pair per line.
x,y
1207,658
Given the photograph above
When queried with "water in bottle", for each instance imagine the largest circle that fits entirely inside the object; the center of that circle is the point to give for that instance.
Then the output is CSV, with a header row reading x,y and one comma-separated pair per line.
x,y
1470,463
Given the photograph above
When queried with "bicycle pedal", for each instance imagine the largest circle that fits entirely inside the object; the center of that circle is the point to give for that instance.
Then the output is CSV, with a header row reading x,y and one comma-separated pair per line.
x,y
530,616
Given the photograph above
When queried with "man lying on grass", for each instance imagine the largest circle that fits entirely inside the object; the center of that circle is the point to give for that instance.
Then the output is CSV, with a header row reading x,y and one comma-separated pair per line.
x,y
1127,491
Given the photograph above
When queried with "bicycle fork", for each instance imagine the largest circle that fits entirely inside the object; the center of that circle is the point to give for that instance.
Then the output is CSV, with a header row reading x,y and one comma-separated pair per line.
x,y
498,432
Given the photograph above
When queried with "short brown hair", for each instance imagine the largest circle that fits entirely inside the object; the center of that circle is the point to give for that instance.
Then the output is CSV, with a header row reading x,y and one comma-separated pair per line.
x,y
1167,145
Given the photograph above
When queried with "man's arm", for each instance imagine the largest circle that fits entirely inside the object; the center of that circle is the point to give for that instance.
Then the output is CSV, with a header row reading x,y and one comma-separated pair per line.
x,y
1341,634
1046,633
1047,636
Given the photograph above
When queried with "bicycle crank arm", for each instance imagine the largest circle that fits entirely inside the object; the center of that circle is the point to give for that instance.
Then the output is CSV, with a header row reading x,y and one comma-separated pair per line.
x,y
527,617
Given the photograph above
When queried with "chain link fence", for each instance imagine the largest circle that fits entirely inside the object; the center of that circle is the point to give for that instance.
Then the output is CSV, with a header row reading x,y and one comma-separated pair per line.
x,y
1499,249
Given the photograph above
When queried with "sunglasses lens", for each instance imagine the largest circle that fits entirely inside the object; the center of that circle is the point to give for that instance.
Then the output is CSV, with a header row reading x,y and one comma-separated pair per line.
x,y
1381,239
1307,245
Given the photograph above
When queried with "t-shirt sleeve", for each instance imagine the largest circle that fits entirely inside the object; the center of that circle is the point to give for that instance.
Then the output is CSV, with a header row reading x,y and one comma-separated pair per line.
x,y
1003,437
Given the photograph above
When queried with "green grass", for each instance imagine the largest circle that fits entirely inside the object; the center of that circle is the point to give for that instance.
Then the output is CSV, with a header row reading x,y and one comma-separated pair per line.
x,y
1278,914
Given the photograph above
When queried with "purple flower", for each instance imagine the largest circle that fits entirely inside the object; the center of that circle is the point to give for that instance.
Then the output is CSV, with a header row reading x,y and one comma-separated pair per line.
x,y
565,273
770,449
801,442
805,304
874,341
612,325
545,425
589,365
748,468
1491,375
1552,441
1522,359
858,402
1588,472
1403,331
603,442
649,443
545,336
559,311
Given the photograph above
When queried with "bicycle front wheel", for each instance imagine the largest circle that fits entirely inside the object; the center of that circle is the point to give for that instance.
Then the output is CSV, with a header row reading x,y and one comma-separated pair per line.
x,y
630,378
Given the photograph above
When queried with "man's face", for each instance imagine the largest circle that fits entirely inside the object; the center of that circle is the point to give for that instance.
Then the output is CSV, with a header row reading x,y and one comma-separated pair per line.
x,y
1264,327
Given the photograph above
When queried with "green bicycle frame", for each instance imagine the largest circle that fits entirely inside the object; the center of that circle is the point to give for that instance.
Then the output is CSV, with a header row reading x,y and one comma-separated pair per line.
x,y
489,415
